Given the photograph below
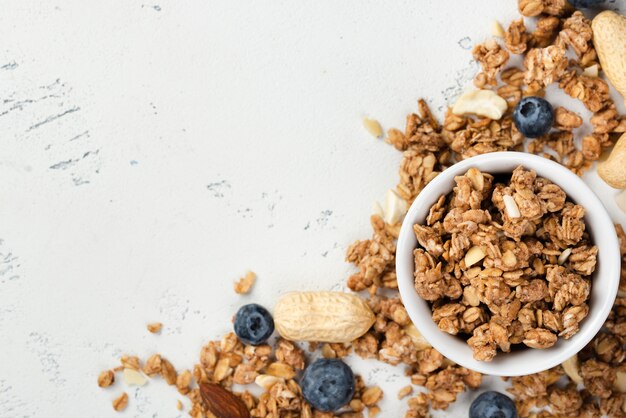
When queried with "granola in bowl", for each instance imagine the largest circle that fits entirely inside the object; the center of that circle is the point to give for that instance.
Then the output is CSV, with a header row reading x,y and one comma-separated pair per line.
x,y
498,254
505,262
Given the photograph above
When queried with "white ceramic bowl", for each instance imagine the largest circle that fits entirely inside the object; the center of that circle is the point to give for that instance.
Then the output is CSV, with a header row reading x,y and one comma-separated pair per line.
x,y
605,279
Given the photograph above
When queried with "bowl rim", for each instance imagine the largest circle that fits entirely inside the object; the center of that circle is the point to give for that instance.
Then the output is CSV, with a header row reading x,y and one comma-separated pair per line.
x,y
597,221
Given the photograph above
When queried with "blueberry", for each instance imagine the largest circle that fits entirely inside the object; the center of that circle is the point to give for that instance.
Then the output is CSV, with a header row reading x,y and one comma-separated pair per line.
x,y
533,116
585,3
253,324
328,384
492,405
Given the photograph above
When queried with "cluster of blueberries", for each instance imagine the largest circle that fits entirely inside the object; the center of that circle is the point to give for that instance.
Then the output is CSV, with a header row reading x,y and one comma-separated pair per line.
x,y
328,384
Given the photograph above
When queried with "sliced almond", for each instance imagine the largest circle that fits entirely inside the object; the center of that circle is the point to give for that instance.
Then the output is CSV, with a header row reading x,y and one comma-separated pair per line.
x,y
266,381
418,339
564,255
591,71
473,256
222,369
134,378
477,178
510,206
572,369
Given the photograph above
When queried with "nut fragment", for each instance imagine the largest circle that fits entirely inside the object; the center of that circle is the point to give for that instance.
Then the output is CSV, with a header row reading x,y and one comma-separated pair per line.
x,y
482,103
395,208
497,29
474,255
572,369
120,403
564,255
134,378
373,127
266,381
591,71
154,327
512,210
106,378
418,339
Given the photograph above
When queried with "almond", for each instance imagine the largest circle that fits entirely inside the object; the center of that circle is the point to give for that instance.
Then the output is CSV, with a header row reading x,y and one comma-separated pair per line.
x,y
473,256
222,403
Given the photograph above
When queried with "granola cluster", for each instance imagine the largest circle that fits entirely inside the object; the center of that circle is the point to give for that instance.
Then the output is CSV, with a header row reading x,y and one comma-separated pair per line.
x,y
505,263
558,30
229,362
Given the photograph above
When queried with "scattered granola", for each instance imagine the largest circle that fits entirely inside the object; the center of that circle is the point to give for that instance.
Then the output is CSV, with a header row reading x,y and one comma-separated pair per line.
x,y
244,285
428,148
106,379
154,327
120,403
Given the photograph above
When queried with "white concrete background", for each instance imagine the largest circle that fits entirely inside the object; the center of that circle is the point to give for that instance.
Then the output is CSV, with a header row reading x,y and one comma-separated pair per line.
x,y
151,153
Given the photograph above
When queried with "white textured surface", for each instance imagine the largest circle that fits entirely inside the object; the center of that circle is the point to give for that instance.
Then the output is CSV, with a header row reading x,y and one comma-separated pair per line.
x,y
151,153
